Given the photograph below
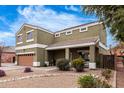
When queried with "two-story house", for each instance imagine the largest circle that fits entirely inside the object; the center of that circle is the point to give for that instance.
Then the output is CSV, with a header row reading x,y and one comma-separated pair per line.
x,y
36,45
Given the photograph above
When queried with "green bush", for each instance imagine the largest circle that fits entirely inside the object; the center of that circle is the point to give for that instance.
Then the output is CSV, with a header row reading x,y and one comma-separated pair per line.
x,y
63,64
86,81
78,64
89,81
106,73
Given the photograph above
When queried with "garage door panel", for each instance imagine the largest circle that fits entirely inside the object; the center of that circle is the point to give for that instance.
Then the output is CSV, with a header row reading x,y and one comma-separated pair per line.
x,y
25,60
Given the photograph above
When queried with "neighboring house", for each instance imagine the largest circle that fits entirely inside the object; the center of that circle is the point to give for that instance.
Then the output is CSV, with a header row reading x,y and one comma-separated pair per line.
x,y
36,45
118,51
8,55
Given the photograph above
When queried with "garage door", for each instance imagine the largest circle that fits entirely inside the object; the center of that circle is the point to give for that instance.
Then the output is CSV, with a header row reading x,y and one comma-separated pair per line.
x,y
26,60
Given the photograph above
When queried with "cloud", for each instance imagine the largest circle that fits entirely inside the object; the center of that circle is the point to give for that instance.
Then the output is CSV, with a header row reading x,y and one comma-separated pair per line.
x,y
46,18
110,39
7,37
6,34
41,16
72,8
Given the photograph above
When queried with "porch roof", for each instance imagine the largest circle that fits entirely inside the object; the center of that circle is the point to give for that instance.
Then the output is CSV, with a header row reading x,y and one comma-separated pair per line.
x,y
73,43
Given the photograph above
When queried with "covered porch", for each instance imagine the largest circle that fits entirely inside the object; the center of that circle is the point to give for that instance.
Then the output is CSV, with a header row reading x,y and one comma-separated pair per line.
x,y
86,48
88,53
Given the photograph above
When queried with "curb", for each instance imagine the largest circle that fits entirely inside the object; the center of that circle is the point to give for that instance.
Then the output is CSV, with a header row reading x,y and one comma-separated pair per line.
x,y
26,77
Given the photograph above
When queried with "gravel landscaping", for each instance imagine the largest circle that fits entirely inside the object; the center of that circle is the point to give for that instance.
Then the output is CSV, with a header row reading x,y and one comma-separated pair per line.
x,y
44,78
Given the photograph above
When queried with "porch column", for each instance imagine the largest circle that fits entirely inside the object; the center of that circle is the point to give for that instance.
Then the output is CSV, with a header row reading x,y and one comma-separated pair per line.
x,y
16,60
92,53
67,53
46,55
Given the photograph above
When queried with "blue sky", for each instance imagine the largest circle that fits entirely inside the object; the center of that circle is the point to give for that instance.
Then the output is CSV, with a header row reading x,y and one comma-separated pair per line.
x,y
50,17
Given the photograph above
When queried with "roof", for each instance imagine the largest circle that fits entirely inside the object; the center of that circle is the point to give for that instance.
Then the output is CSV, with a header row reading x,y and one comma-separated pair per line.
x,y
46,30
9,49
35,27
90,24
73,43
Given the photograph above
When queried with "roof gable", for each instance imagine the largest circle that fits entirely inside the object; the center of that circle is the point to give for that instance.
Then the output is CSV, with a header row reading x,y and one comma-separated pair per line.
x,y
34,27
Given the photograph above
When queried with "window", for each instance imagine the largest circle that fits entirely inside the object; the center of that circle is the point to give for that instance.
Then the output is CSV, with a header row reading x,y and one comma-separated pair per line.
x,y
29,35
19,39
68,32
57,35
83,29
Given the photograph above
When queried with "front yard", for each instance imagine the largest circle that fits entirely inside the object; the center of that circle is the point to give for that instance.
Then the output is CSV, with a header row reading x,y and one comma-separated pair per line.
x,y
49,77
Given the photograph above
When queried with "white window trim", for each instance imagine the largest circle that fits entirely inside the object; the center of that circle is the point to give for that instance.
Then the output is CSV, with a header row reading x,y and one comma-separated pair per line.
x,y
58,34
30,40
19,35
34,27
71,46
83,30
68,33
75,28
25,53
31,46
103,46
17,39
30,31
19,42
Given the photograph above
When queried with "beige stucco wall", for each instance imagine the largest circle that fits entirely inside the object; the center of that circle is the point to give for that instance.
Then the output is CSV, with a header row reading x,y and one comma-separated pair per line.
x,y
40,37
24,36
56,54
40,55
93,31
102,34
44,37
92,53
103,51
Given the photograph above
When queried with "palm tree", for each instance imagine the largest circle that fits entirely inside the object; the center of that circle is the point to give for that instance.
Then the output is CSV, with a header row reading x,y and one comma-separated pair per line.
x,y
111,15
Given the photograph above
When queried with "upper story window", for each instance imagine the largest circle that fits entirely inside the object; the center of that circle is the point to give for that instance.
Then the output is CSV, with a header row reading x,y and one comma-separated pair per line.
x,y
68,32
83,29
57,35
19,39
29,36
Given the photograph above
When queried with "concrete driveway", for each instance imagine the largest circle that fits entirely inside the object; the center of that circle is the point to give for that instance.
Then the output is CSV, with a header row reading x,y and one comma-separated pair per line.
x,y
10,66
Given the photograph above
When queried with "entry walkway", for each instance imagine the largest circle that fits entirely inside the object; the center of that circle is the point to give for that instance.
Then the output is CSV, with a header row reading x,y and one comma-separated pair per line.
x,y
120,75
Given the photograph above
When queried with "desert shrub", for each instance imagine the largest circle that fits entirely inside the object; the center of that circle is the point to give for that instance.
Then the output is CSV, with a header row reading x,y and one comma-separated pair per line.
x,y
89,81
78,64
106,73
27,69
63,64
2,73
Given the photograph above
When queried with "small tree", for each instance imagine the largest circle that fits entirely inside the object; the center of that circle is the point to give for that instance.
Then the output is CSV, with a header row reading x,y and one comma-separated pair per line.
x,y
1,51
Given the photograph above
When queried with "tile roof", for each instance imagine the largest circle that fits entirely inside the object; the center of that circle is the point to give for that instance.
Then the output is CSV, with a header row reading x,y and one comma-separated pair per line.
x,y
9,49
78,26
73,42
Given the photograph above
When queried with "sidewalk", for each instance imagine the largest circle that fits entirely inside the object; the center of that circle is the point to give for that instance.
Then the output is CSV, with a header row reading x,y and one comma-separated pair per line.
x,y
120,75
